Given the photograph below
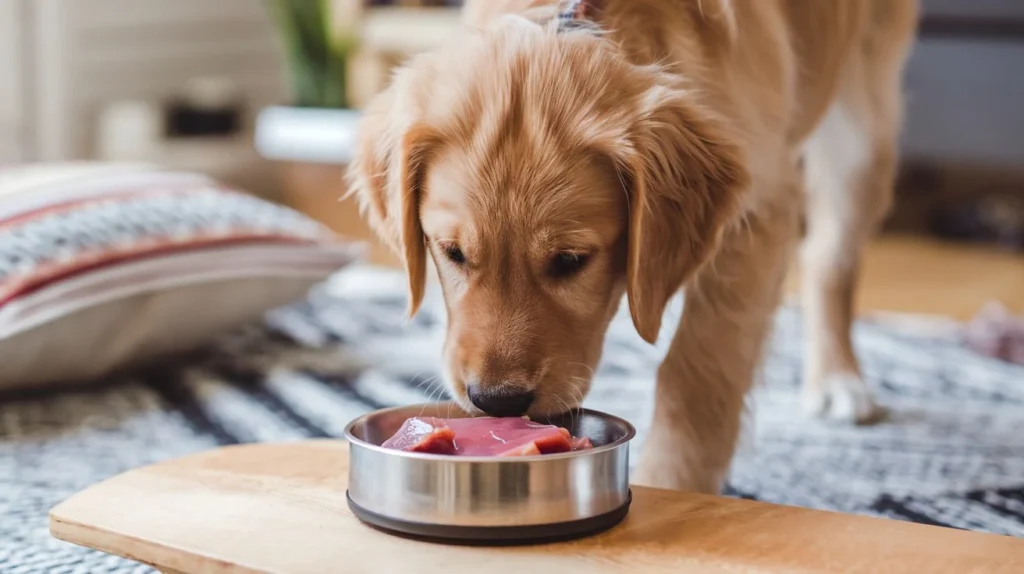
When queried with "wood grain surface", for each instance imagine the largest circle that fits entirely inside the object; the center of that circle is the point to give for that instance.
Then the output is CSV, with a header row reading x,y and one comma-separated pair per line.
x,y
281,508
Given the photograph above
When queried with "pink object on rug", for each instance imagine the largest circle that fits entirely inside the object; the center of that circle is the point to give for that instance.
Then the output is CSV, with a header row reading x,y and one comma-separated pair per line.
x,y
998,333
483,436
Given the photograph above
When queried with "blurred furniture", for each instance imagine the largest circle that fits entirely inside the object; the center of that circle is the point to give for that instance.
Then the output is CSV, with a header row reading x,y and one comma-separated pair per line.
x,y
965,83
389,35
281,508
65,61
963,168
311,148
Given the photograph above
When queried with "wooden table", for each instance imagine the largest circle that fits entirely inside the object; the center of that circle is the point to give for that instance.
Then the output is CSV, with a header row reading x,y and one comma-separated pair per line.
x,y
281,508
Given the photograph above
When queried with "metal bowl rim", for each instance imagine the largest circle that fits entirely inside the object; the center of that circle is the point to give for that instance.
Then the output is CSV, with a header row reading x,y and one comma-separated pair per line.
x,y
354,440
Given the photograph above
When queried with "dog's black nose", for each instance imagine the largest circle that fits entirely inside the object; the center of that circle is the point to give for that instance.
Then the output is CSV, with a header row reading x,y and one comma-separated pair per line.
x,y
500,403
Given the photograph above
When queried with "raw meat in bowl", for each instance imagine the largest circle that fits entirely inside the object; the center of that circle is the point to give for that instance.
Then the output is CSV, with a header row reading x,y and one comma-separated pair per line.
x,y
483,436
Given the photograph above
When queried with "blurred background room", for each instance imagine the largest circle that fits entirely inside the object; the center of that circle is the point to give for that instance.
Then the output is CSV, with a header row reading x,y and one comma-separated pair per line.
x,y
265,95
232,325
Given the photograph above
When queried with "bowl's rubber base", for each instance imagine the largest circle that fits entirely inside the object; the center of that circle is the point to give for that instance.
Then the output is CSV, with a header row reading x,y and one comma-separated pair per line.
x,y
493,535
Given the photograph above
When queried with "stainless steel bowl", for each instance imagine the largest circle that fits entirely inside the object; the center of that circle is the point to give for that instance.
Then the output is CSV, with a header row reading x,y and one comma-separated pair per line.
x,y
489,499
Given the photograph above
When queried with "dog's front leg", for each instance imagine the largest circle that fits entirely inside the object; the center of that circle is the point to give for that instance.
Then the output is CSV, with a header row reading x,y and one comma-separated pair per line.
x,y
711,362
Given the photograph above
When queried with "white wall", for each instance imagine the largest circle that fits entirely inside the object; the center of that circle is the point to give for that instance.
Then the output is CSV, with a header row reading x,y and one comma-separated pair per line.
x,y
12,125
965,92
965,103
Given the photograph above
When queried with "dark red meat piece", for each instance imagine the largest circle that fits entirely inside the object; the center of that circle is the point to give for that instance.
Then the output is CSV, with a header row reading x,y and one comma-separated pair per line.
x,y
580,443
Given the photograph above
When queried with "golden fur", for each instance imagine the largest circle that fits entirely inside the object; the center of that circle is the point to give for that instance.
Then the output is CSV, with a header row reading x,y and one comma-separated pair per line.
x,y
546,174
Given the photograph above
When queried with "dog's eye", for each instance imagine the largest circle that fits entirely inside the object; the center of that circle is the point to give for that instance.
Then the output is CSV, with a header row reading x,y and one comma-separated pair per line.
x,y
454,254
568,263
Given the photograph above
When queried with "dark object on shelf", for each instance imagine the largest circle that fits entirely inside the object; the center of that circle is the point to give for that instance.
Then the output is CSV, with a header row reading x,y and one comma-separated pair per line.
x,y
989,218
184,120
207,107
992,29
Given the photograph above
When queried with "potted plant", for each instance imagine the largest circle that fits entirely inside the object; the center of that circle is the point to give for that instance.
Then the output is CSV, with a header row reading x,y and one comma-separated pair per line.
x,y
318,36
329,71
310,137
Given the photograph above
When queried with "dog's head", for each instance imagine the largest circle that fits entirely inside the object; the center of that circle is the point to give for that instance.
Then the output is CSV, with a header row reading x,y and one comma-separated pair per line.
x,y
544,175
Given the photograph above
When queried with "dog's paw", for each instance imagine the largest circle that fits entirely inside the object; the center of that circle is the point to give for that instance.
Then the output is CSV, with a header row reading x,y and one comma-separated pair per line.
x,y
841,398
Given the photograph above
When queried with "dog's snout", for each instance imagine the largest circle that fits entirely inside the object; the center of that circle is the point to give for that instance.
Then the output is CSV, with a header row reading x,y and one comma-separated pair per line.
x,y
500,402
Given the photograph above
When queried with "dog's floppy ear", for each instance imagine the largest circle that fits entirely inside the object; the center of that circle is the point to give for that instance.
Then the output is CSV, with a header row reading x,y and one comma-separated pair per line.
x,y
686,177
386,176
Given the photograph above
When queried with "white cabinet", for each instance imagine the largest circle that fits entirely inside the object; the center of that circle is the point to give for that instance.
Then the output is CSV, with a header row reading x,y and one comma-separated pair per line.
x,y
63,61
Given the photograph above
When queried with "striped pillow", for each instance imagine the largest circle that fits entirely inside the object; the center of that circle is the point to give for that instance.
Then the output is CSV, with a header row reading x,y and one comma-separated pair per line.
x,y
101,265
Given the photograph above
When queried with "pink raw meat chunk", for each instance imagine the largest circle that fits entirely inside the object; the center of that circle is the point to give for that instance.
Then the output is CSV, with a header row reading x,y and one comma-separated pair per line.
x,y
483,436
426,434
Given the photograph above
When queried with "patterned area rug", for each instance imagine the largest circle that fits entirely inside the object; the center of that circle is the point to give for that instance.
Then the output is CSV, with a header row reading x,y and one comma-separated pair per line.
x,y
951,452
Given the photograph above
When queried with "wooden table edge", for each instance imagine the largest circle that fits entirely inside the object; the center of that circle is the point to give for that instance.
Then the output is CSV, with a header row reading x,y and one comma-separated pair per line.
x,y
160,556
172,558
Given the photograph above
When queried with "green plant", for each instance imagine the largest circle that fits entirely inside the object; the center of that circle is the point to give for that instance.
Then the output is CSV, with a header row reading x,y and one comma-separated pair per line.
x,y
315,54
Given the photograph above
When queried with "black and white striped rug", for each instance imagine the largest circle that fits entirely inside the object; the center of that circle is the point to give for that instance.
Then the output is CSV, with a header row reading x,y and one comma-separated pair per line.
x,y
951,453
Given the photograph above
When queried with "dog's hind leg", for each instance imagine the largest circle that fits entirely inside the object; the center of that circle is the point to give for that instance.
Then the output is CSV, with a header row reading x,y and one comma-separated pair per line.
x,y
849,164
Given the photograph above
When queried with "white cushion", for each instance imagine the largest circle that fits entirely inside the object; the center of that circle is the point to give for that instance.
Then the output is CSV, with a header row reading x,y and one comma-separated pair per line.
x,y
102,266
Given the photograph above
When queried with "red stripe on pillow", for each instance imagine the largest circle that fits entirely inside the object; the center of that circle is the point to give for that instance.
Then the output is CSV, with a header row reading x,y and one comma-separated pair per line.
x,y
44,275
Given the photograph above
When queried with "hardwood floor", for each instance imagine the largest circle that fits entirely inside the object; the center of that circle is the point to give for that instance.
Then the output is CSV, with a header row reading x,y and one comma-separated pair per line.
x,y
916,275
904,274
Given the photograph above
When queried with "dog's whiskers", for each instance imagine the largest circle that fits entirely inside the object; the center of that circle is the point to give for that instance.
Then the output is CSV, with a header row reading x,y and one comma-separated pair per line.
x,y
576,384
577,388
424,381
569,411
427,393
436,387
584,365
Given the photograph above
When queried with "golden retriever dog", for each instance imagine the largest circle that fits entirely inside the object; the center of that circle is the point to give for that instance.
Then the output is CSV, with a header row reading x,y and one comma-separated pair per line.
x,y
558,155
